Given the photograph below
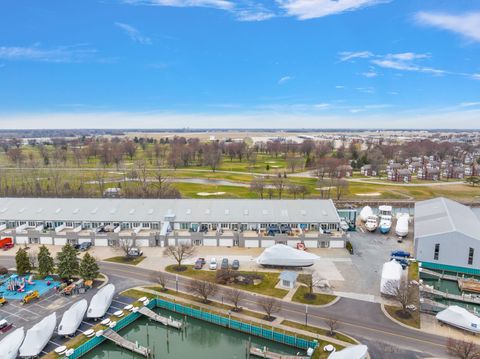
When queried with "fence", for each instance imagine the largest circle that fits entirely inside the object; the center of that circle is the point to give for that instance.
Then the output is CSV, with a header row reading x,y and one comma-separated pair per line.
x,y
227,322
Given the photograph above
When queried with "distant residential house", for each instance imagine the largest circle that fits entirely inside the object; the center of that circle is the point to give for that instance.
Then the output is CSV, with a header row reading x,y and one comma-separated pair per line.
x,y
472,170
344,171
393,166
400,175
453,172
433,164
367,170
415,166
428,174
112,192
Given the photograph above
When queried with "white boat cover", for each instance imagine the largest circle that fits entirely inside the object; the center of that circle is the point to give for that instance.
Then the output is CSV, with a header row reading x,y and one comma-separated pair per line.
x,y
460,317
101,302
385,210
352,352
391,277
10,344
38,336
401,229
285,256
365,213
72,318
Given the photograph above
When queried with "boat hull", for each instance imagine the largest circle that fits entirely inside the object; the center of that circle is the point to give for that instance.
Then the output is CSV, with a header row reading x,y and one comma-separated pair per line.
x,y
384,229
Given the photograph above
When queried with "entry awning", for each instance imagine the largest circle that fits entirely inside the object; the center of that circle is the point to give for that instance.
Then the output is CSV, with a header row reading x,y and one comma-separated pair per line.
x,y
165,228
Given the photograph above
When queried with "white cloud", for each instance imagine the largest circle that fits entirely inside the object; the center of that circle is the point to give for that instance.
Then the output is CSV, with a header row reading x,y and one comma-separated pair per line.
x,y
476,76
284,80
469,104
310,9
339,87
76,53
370,74
322,106
368,89
134,34
348,55
467,25
219,4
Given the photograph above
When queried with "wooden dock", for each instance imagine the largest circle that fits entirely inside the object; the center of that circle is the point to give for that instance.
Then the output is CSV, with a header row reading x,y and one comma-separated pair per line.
x,y
264,353
466,298
464,284
124,343
160,318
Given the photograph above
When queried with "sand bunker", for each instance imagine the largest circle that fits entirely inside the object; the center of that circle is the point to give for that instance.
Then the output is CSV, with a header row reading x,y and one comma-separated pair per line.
x,y
324,188
205,194
371,194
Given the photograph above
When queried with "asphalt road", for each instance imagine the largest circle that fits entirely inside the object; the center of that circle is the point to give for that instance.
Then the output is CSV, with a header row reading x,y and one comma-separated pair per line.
x,y
362,320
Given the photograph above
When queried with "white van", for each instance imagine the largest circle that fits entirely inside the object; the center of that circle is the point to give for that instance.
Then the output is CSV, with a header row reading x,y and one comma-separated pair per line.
x,y
213,264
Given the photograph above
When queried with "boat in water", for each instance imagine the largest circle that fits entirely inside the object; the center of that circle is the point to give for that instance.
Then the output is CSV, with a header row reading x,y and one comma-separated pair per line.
x,y
101,302
385,224
401,228
72,318
11,343
365,213
281,255
459,317
372,223
38,336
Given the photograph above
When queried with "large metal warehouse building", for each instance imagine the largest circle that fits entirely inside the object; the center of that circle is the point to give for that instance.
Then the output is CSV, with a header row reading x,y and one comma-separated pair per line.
x,y
447,236
160,222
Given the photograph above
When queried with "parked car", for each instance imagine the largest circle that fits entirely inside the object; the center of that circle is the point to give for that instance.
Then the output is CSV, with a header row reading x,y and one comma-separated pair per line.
x,y
224,264
8,246
202,260
235,264
198,264
213,264
285,228
135,252
403,262
400,254
273,230
83,246
6,241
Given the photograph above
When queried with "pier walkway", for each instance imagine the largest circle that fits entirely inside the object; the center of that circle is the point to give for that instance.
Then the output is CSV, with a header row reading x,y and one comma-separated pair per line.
x,y
261,353
160,318
124,343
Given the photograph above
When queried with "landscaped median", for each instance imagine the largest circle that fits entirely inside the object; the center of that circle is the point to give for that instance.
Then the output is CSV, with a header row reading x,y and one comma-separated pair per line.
x,y
125,260
264,282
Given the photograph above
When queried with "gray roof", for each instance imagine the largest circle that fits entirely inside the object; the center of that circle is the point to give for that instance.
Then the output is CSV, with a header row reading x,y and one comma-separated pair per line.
x,y
442,215
155,210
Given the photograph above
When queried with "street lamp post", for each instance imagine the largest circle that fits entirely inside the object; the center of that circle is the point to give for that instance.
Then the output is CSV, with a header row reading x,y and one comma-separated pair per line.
x,y
176,282
306,314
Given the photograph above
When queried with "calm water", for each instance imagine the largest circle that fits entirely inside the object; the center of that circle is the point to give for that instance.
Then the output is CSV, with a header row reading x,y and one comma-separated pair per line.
x,y
201,341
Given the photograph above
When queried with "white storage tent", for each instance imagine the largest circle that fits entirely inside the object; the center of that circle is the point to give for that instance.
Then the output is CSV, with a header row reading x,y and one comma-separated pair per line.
x,y
352,352
72,318
281,255
459,317
391,277
11,343
101,302
38,336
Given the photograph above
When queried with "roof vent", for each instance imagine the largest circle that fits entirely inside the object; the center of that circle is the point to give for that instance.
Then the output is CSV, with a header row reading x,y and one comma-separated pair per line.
x,y
58,210
284,212
132,211
39,210
188,211
207,211
113,210
303,212
227,211
150,211
4,210
265,211
95,210
324,213
21,210
245,212
76,210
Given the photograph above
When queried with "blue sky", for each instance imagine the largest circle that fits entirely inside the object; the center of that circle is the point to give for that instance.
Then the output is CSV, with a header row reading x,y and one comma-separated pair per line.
x,y
245,63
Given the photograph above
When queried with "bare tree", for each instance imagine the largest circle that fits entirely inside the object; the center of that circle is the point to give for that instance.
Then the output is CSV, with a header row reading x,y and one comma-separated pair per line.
x,y
341,186
125,245
332,325
179,254
161,279
311,281
402,293
33,258
279,183
203,289
235,296
270,306
463,349
258,186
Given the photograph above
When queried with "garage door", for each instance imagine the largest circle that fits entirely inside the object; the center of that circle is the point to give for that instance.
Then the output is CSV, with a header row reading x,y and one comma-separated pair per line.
x,y
226,242
267,243
251,243
209,242
337,244
311,244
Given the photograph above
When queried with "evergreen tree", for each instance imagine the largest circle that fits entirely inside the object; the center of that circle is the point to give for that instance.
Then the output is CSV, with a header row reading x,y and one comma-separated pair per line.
x,y
67,262
45,262
88,267
23,262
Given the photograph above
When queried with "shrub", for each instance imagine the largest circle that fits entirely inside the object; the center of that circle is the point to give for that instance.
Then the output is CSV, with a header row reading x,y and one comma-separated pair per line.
x,y
349,247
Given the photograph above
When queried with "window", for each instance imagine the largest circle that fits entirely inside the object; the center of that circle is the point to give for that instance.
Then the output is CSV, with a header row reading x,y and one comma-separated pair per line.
x,y
437,251
471,251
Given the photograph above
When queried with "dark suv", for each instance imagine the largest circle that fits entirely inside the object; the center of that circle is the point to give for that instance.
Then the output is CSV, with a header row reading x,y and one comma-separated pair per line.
x,y
224,263
82,247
